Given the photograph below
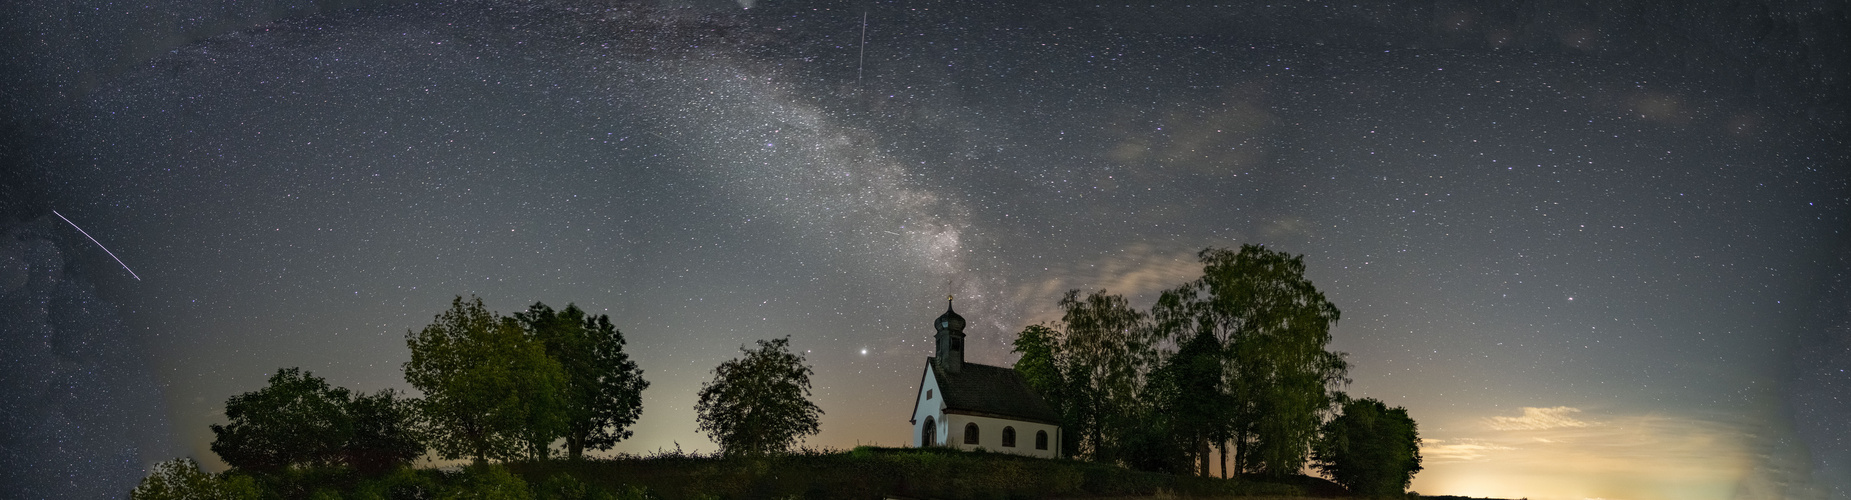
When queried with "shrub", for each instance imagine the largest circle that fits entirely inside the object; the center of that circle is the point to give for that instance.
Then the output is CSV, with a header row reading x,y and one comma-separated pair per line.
x,y
403,484
563,486
181,479
486,482
1371,449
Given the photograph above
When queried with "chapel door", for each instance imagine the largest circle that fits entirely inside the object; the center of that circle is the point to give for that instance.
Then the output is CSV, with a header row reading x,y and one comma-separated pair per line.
x,y
928,433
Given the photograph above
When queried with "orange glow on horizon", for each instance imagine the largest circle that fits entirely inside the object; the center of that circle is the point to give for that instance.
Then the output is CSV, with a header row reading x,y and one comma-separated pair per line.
x,y
1562,453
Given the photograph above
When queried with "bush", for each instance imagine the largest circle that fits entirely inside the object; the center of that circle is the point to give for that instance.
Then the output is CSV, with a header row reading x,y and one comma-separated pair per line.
x,y
181,479
563,486
1371,449
486,482
404,484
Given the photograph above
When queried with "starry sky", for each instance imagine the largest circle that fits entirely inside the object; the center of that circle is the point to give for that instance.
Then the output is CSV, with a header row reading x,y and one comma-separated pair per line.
x,y
1597,250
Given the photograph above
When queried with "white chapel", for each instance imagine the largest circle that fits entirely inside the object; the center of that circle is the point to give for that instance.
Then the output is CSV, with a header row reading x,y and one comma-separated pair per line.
x,y
969,406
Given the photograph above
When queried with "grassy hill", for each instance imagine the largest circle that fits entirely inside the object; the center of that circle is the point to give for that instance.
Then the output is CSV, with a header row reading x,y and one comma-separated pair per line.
x,y
868,472
862,473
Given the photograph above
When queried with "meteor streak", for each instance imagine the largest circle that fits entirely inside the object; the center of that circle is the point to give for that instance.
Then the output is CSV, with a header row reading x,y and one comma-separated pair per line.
x,y
862,61
99,244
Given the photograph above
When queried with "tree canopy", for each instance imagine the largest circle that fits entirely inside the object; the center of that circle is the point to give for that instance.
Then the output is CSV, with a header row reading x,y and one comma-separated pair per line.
x,y
603,392
759,404
1273,326
1371,449
1037,364
1106,351
1188,389
181,479
384,433
300,420
1236,360
295,420
491,392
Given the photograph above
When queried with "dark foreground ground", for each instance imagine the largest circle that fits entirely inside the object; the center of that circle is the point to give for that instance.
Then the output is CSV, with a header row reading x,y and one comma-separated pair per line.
x,y
860,474
906,473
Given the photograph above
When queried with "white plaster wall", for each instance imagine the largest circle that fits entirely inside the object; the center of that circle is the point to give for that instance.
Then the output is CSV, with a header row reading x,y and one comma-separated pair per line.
x,y
950,429
990,435
934,408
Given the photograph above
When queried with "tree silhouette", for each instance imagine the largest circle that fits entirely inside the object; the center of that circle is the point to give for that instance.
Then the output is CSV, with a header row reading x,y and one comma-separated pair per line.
x,y
1189,392
1039,346
1273,325
603,393
1106,349
383,436
490,390
1371,449
299,420
295,420
759,404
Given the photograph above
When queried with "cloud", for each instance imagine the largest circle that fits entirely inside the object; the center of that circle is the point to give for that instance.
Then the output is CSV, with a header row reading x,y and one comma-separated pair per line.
x,y
1440,451
1538,419
1138,271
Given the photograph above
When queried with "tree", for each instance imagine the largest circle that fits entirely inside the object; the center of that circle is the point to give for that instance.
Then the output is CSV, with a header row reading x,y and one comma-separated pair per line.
x,y
383,434
1041,368
1371,449
1106,348
603,393
490,390
1036,344
1188,390
759,404
1273,325
298,419
181,479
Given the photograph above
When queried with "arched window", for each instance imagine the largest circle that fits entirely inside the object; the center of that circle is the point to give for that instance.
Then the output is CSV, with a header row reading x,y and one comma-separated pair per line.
x,y
928,433
1041,440
970,433
1009,437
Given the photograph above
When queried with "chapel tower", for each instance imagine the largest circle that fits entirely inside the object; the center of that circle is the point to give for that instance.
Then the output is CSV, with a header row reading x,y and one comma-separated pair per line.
x,y
950,339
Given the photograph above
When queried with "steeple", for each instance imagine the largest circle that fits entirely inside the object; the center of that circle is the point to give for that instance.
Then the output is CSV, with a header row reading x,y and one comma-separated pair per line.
x,y
950,339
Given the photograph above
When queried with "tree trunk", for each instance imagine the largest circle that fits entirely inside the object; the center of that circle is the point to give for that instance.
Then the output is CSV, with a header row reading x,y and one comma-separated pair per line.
x,y
1201,456
1240,452
576,445
1224,459
1098,434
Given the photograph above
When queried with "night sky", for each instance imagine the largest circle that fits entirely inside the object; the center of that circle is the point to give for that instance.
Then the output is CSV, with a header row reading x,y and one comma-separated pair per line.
x,y
1597,251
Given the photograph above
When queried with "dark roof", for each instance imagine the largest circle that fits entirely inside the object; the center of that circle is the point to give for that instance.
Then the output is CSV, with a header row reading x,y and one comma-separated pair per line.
x,y
992,391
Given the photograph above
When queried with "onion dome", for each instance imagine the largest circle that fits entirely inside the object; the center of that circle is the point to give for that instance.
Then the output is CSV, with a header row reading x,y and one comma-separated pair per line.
x,y
950,320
